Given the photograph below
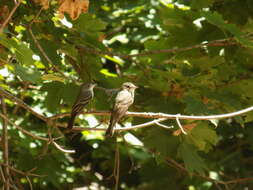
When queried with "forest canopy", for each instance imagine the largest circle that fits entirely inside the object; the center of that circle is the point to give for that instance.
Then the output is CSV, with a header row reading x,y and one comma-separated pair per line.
x,y
187,57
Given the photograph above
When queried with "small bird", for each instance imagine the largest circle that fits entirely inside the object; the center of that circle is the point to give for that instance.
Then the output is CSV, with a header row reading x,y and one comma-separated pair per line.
x,y
84,97
124,99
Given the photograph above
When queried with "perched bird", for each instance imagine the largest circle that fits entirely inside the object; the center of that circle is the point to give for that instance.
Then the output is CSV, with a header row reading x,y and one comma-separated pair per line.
x,y
124,99
84,97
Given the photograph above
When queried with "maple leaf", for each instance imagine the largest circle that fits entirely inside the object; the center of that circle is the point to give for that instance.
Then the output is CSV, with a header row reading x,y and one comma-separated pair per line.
x,y
43,3
73,7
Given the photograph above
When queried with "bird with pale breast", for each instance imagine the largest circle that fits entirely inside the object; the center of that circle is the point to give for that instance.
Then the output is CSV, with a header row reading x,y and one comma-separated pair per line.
x,y
124,99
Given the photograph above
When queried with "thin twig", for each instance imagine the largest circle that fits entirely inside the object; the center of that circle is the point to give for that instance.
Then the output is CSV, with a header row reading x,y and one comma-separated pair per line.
x,y
163,126
23,130
28,173
180,126
9,16
116,166
234,181
21,103
215,43
22,96
62,149
123,128
30,183
55,68
5,145
2,175
239,180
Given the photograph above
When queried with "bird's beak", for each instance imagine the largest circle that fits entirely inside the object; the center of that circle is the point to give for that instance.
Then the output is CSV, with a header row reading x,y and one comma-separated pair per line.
x,y
94,84
136,87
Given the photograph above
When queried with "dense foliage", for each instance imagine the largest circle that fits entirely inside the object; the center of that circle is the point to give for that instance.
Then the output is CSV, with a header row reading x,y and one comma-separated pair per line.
x,y
192,57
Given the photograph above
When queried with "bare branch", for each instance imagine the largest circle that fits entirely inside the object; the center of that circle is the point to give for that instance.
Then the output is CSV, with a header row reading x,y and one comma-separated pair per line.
x,y
180,126
30,183
62,149
5,145
55,68
239,180
215,43
163,126
182,168
21,103
2,175
116,167
129,114
23,130
121,129
28,173
10,15
163,115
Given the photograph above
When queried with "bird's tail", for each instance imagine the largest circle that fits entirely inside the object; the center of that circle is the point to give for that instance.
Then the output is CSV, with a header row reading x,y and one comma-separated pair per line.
x,y
109,131
71,121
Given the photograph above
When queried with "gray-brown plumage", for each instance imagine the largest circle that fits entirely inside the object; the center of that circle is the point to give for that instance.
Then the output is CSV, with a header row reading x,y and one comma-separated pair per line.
x,y
85,95
124,99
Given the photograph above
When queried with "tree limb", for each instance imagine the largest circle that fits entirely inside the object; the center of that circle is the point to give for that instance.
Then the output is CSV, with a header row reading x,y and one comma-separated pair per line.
x,y
182,168
214,43
129,114
5,146
55,68
28,173
10,15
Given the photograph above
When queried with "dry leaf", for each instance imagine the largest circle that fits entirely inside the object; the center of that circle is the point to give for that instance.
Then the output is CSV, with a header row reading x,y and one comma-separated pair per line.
x,y
205,100
187,128
43,3
176,90
73,7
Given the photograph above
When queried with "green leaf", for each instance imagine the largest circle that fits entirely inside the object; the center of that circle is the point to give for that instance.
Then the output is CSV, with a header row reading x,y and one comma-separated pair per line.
x,y
193,162
107,73
249,116
69,93
199,4
90,26
195,106
54,95
20,49
216,19
53,77
89,23
202,136
28,74
165,145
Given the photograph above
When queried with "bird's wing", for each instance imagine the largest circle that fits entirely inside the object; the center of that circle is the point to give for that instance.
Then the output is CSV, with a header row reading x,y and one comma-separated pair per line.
x,y
81,101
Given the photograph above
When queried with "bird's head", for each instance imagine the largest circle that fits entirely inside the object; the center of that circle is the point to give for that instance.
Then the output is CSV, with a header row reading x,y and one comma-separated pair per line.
x,y
129,86
89,85
92,85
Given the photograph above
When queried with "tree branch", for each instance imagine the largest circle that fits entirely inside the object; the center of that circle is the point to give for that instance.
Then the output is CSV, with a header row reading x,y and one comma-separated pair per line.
x,y
23,130
62,149
182,168
214,43
55,68
154,122
163,115
5,145
21,103
28,173
129,114
10,15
